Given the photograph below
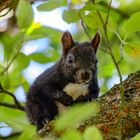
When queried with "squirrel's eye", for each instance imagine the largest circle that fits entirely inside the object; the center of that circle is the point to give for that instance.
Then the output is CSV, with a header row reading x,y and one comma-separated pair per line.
x,y
70,59
95,61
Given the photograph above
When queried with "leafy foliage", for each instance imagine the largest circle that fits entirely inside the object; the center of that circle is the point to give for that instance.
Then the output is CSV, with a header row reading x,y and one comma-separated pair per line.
x,y
71,118
92,133
132,23
50,5
123,33
24,15
71,16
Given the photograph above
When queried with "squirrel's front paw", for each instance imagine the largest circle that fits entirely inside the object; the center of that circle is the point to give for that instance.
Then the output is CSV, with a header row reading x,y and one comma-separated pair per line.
x,y
66,99
42,121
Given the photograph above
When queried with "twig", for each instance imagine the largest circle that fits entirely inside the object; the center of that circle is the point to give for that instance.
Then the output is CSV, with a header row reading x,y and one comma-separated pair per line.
x,y
121,54
117,10
89,36
108,12
7,105
85,29
16,105
114,60
111,54
104,50
121,46
108,43
12,60
10,136
103,23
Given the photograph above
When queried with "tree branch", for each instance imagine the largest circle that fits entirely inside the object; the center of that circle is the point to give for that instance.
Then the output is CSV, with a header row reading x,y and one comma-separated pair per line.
x,y
17,105
107,120
7,105
10,136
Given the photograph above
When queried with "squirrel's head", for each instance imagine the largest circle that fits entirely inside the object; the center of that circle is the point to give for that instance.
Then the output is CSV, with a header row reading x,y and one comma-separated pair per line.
x,y
79,59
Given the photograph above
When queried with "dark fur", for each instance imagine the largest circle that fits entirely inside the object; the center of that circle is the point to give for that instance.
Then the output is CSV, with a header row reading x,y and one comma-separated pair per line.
x,y
48,87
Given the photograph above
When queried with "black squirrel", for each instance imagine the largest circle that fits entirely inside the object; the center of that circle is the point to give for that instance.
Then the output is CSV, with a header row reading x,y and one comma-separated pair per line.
x,y
72,79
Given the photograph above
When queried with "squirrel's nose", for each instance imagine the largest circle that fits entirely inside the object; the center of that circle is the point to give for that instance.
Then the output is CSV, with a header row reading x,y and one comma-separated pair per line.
x,y
85,75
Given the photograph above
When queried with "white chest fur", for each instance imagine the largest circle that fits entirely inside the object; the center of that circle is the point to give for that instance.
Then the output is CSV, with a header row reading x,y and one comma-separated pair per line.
x,y
74,90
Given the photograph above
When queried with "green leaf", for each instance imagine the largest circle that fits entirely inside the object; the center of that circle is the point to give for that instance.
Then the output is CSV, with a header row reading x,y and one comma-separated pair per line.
x,y
25,85
74,115
17,119
137,137
97,1
39,57
6,41
11,43
42,58
90,7
22,60
93,21
106,71
133,23
71,16
24,14
5,80
43,32
28,133
92,133
71,134
51,4
17,40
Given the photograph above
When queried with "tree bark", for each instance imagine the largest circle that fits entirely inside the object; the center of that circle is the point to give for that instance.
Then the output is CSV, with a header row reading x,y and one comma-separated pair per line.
x,y
115,121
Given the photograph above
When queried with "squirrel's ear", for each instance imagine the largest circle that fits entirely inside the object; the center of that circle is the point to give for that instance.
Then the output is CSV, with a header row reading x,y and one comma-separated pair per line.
x,y
96,41
67,42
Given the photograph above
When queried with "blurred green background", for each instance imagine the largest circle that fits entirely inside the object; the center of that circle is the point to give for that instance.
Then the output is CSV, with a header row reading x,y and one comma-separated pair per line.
x,y
30,42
